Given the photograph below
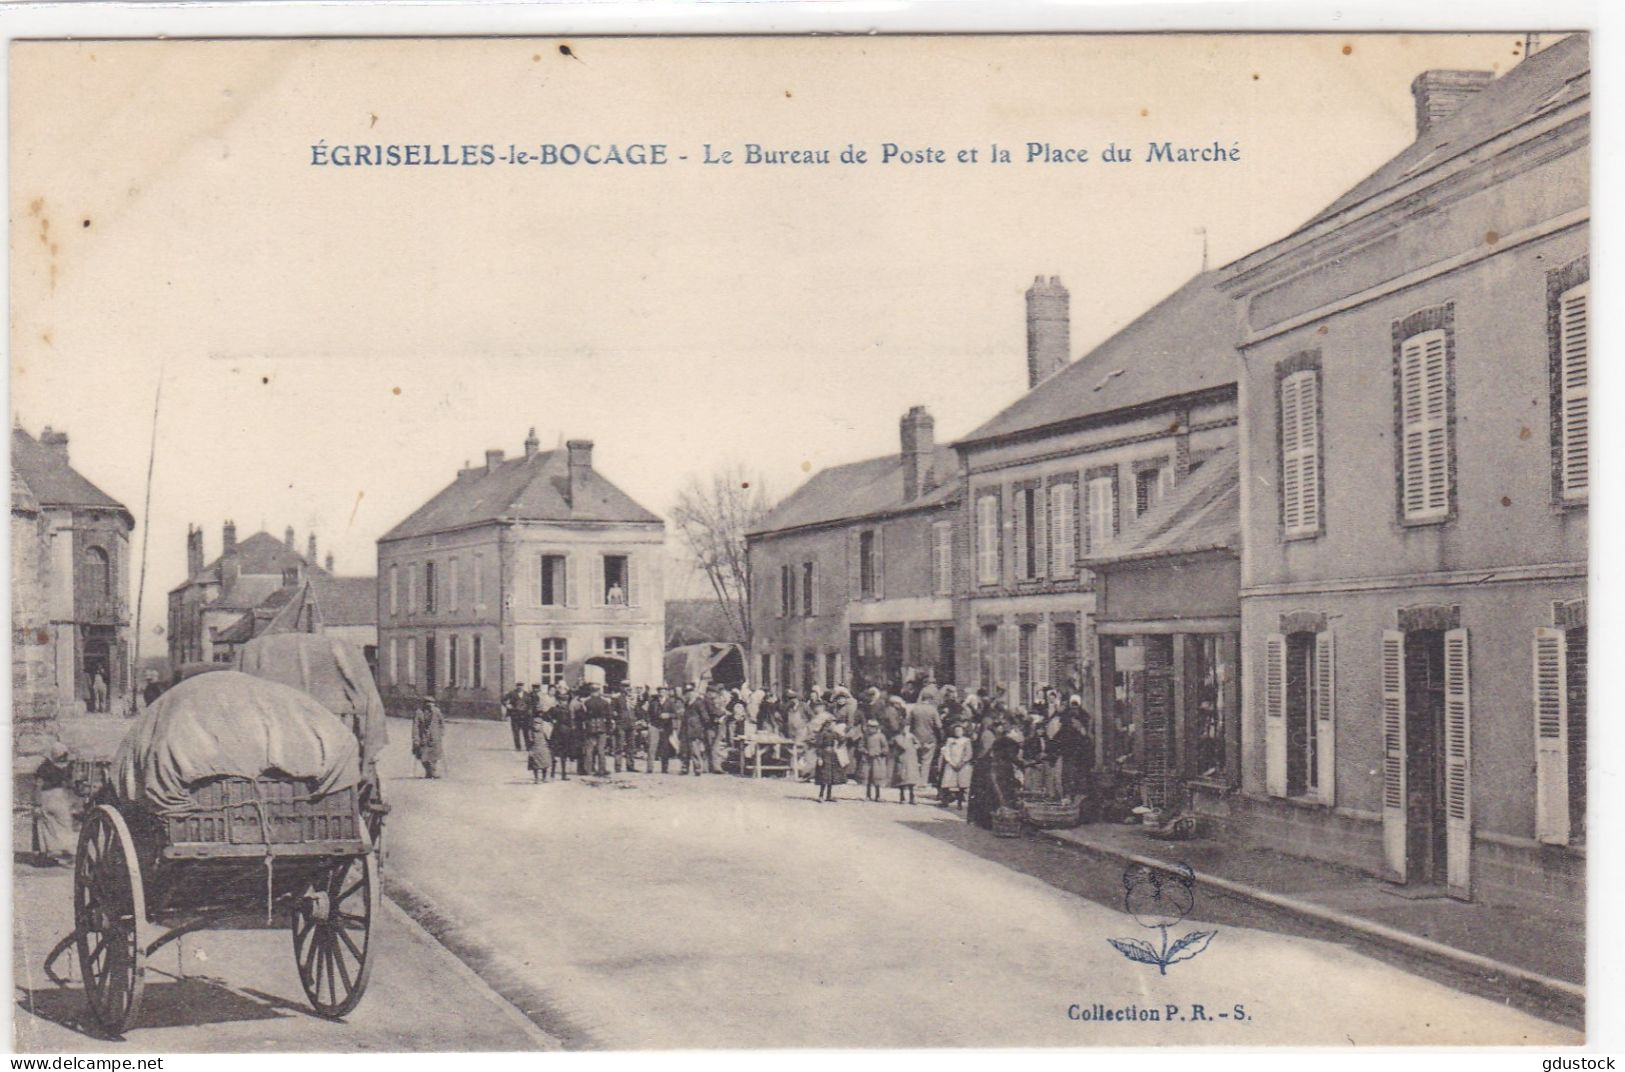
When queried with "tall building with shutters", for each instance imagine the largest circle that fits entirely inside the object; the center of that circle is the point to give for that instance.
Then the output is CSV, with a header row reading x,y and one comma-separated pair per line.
x,y
853,573
534,569
1414,512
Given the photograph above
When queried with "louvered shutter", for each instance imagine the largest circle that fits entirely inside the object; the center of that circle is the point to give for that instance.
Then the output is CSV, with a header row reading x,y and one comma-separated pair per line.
x,y
880,562
1010,677
1275,714
572,597
1424,429
1574,346
595,597
854,566
812,588
1325,718
1018,535
1040,533
1458,764
1393,754
1551,737
535,582
1300,450
631,580
1041,666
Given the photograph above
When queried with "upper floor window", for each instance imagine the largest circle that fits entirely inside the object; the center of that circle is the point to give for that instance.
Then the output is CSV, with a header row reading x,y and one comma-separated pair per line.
x,y
1062,524
987,539
98,574
786,593
394,588
1573,409
868,564
451,584
1300,452
429,592
551,576
1424,426
1028,522
942,563
479,581
617,580
1102,507
1149,485
807,599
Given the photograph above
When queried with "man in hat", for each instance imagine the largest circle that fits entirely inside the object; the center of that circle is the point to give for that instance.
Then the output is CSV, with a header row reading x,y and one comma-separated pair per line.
x,y
428,735
513,706
695,733
600,723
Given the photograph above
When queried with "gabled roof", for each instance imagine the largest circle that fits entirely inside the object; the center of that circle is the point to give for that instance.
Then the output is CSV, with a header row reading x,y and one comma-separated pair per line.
x,y
1553,77
346,600
53,481
1201,513
251,590
261,555
536,488
1181,345
860,489
22,500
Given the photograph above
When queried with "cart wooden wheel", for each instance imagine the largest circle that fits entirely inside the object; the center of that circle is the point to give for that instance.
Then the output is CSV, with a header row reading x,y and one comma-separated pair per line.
x,y
332,934
108,909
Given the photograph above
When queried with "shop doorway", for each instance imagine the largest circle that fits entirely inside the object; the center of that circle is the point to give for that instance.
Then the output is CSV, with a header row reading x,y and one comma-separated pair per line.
x,y
1426,858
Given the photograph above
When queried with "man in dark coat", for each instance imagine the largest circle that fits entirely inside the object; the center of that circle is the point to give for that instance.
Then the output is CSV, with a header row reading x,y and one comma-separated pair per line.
x,y
663,730
600,718
695,734
513,706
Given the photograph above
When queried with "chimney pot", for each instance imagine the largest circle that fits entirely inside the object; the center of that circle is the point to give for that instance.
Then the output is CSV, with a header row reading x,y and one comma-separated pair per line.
x,y
287,538
493,458
580,453
1049,336
531,444
310,549
55,442
328,562
228,538
1439,94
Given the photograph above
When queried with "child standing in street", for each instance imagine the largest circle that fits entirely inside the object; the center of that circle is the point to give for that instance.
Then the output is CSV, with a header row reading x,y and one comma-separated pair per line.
x,y
905,764
540,756
874,760
956,766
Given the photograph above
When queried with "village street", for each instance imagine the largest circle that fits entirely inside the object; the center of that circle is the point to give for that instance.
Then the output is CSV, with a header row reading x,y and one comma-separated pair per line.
x,y
649,911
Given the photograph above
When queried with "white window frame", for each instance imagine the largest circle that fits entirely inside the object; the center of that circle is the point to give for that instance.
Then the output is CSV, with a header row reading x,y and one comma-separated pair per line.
x,y
550,664
1102,513
1063,520
987,539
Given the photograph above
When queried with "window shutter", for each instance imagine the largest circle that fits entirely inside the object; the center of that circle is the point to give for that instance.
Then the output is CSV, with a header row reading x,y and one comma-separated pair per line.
x,y
1041,667
854,566
1062,525
1426,476
595,598
1393,754
880,562
1551,737
812,588
1300,453
631,580
1574,346
1325,717
572,598
1458,764
534,583
1275,714
1018,534
1040,533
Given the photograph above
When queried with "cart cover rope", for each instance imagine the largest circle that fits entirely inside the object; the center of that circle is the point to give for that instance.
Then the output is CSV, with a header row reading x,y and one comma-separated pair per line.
x,y
230,724
330,670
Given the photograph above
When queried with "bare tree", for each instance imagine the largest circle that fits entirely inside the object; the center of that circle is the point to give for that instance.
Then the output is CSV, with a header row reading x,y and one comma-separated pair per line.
x,y
712,517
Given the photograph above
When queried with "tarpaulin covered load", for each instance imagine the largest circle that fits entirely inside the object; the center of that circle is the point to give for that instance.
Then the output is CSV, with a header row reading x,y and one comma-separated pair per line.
x,y
329,670
719,663
230,724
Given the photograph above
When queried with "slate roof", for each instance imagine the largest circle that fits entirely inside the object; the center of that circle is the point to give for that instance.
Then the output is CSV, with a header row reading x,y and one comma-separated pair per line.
x,y
1182,344
860,489
251,590
346,600
53,481
1553,77
525,489
1201,513
22,500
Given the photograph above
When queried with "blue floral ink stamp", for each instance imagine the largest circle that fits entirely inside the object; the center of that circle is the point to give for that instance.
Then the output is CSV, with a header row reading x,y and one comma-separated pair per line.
x,y
1160,899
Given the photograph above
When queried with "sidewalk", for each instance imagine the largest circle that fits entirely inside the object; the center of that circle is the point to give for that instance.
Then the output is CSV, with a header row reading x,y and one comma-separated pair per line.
x,y
1541,953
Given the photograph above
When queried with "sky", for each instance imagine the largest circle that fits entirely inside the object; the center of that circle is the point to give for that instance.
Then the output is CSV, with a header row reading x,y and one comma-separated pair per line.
x,y
333,343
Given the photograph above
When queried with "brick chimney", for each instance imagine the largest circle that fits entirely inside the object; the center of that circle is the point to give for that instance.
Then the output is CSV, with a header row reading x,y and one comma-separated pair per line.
x,y
327,563
531,444
1439,93
287,538
228,538
55,442
493,458
1049,334
310,549
580,466
194,551
230,567
917,432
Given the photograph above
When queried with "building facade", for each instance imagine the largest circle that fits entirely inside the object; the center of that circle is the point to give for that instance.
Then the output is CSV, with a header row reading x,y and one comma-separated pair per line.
x,y
76,544
1416,476
533,569
852,575
1055,476
226,602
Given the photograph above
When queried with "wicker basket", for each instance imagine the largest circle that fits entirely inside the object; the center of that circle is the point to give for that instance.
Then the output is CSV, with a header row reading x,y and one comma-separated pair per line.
x,y
1007,822
1054,814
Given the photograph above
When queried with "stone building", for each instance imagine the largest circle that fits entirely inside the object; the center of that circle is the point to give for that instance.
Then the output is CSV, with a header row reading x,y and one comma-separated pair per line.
x,y
1416,474
533,569
1052,478
226,602
71,547
852,574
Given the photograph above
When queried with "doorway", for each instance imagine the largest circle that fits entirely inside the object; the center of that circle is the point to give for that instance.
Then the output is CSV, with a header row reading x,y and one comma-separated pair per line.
x,y
1425,838
98,665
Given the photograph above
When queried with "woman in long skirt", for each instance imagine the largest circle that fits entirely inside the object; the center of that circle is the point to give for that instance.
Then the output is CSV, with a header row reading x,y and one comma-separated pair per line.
x,y
540,757
831,770
905,764
54,799
956,772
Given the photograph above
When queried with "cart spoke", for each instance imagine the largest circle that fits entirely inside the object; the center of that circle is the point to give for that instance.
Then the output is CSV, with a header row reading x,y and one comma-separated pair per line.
x,y
338,962
360,882
332,978
349,942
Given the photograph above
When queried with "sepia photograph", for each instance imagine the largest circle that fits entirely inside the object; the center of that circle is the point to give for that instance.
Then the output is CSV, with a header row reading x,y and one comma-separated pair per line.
x,y
919,542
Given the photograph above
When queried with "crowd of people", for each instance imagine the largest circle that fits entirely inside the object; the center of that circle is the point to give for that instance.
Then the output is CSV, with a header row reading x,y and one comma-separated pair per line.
x,y
979,753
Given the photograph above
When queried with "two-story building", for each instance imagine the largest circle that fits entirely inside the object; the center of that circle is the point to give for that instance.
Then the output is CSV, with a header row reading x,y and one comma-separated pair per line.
x,y
852,574
79,552
1416,471
533,569
1092,446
